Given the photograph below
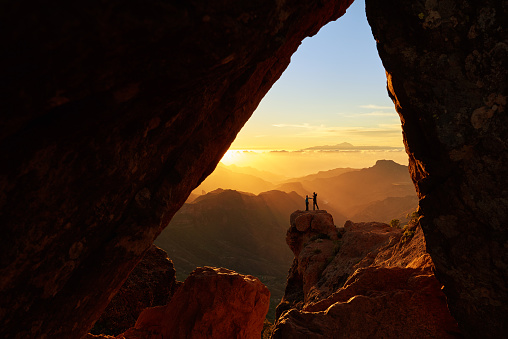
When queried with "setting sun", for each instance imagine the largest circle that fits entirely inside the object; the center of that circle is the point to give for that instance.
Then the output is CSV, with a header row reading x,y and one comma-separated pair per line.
x,y
233,157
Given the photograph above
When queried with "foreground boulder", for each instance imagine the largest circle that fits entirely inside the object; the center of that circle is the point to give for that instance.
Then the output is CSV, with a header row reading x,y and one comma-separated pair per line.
x,y
212,303
151,283
377,283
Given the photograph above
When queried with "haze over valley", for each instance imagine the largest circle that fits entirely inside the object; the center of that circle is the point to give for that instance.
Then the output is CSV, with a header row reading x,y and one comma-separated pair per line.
x,y
238,217
292,146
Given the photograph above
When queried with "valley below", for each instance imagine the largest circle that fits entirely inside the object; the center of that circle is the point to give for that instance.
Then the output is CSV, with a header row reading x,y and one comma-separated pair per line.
x,y
246,231
338,272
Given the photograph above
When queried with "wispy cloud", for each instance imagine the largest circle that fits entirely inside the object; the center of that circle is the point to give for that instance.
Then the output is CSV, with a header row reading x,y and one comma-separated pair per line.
x,y
308,130
381,113
376,107
294,125
396,126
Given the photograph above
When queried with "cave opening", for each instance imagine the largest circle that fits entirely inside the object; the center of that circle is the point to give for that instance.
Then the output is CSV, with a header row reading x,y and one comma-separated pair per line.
x,y
109,125
333,92
328,112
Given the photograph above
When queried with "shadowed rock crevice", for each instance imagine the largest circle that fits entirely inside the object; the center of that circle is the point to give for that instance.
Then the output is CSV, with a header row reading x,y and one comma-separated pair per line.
x,y
151,283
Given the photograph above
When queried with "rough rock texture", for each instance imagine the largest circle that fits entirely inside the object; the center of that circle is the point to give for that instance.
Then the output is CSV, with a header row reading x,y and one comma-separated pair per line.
x,y
313,239
379,284
306,225
359,242
151,283
111,114
447,69
211,303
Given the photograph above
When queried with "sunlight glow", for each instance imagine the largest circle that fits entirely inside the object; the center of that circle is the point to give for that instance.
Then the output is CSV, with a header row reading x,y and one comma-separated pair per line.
x,y
294,163
233,157
333,91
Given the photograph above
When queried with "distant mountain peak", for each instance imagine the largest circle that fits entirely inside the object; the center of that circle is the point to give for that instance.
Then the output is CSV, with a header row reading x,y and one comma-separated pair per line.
x,y
346,146
342,145
386,163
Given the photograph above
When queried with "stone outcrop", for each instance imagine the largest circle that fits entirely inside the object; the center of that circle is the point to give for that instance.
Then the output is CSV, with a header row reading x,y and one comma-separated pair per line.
x,y
313,239
211,303
360,242
377,283
151,283
447,69
112,113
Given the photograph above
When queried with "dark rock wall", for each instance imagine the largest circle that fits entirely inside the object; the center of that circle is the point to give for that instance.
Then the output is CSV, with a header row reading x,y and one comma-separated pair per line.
x,y
151,283
447,70
112,112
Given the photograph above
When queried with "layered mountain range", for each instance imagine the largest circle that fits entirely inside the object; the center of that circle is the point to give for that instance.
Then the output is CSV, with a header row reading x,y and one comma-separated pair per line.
x,y
245,232
236,230
381,192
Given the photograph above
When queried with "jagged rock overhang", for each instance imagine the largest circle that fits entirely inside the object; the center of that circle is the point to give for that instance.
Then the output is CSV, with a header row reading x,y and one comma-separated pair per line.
x,y
114,112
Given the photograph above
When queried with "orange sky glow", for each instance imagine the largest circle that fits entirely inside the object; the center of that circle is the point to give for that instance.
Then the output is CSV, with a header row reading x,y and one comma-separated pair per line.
x,y
333,91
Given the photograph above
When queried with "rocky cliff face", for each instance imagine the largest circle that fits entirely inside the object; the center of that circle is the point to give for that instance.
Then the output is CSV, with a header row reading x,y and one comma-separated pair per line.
x,y
376,282
240,231
151,283
112,113
447,69
211,303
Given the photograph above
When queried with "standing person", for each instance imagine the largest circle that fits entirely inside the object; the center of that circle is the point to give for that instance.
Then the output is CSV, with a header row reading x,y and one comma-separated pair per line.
x,y
306,202
314,201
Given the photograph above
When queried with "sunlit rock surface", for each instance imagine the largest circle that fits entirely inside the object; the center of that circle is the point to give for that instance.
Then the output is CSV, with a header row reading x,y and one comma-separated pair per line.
x,y
376,283
212,303
151,283
447,69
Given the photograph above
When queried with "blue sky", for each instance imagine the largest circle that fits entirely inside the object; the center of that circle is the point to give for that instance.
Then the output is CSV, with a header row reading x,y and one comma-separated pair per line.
x,y
333,91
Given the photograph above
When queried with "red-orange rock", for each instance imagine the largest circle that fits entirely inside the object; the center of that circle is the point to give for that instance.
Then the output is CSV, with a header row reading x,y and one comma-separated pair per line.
x,y
312,260
313,238
389,291
360,241
151,283
395,303
97,336
302,221
212,303
323,223
308,224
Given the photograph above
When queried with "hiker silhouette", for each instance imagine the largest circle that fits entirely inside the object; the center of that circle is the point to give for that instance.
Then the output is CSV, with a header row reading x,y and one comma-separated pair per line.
x,y
306,202
314,201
